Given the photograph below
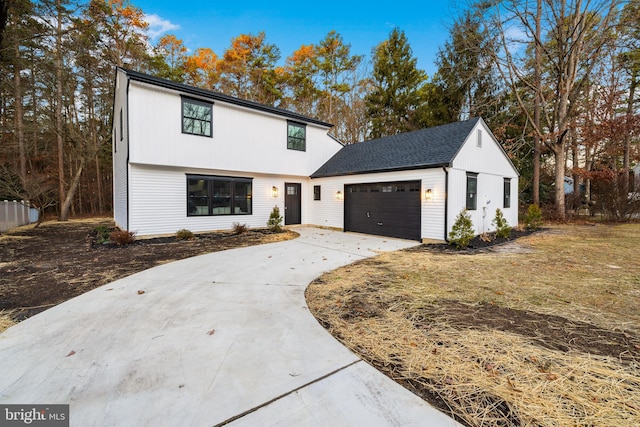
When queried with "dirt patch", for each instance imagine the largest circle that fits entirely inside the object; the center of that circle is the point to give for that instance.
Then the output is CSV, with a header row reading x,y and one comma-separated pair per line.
x,y
42,267
549,331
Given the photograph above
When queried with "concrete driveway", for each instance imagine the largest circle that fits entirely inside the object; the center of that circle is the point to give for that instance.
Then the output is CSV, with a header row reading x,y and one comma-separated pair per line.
x,y
219,339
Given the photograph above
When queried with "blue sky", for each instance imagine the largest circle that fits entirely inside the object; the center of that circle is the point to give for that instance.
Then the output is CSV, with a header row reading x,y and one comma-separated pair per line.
x,y
213,23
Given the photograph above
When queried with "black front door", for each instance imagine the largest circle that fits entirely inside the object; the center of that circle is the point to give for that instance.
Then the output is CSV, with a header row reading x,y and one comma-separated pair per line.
x,y
292,203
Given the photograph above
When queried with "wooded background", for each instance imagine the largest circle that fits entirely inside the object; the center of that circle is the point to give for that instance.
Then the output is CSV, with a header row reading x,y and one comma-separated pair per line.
x,y
556,80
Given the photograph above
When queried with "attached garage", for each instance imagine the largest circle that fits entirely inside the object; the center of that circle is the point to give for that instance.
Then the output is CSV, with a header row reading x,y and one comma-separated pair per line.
x,y
413,185
386,209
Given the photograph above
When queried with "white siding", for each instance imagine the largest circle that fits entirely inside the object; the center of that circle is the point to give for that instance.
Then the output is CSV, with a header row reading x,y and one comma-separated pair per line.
x,y
329,211
243,139
158,200
492,165
120,148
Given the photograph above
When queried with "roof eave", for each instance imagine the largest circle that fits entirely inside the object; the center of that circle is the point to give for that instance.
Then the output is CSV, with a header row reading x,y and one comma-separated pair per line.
x,y
167,84
393,169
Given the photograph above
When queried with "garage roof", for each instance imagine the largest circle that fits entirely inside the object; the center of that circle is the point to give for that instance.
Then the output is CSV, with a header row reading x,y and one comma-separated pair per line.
x,y
421,149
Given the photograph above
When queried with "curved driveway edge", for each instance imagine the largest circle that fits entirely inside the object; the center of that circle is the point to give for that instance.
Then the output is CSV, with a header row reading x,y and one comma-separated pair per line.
x,y
219,339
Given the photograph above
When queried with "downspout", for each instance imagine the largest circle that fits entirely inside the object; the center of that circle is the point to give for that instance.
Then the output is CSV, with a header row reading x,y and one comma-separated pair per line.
x,y
446,202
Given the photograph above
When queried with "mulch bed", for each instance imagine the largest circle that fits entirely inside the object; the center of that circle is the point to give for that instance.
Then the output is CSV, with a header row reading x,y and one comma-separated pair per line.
x,y
42,267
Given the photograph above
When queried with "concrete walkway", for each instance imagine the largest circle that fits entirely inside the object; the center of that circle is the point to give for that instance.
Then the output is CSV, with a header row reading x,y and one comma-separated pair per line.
x,y
219,339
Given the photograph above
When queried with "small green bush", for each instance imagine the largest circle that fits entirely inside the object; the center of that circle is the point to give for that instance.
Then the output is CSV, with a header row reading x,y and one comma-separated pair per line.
x,y
533,218
122,237
240,228
275,220
462,231
184,234
102,234
503,229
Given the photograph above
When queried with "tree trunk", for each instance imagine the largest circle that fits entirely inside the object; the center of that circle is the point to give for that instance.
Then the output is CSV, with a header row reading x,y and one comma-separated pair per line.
x,y
536,107
64,213
626,165
18,116
559,153
66,205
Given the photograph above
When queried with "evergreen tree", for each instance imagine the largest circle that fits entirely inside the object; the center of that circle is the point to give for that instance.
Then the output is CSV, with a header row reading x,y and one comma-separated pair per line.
x,y
465,84
397,87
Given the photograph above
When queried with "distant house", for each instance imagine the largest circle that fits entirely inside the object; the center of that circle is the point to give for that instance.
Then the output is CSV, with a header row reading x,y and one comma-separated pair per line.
x,y
184,157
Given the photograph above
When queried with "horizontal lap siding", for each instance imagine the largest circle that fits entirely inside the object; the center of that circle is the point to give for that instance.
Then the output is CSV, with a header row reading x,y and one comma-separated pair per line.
x,y
159,201
120,149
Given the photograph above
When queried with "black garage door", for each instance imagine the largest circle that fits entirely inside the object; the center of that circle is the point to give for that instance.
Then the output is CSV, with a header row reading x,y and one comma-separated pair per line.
x,y
386,209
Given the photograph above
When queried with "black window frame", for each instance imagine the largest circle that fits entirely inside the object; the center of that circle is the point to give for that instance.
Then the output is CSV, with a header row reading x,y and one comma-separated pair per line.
x,y
294,142
472,191
202,104
317,192
506,188
234,199
121,126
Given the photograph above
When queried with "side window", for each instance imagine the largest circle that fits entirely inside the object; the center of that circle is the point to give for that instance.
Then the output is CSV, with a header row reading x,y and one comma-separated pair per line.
x,y
479,142
472,191
196,117
296,136
121,126
507,193
316,192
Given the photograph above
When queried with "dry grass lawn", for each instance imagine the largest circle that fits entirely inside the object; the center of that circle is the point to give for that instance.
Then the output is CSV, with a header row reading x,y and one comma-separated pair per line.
x,y
545,331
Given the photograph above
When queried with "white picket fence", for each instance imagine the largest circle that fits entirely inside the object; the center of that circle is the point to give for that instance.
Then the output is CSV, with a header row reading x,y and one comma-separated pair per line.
x,y
14,214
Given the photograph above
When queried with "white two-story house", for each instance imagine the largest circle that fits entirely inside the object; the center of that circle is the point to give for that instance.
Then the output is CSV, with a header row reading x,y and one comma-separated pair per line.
x,y
187,158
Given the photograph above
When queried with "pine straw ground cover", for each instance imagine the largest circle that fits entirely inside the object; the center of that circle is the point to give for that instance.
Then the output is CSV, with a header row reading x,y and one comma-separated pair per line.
x,y
544,331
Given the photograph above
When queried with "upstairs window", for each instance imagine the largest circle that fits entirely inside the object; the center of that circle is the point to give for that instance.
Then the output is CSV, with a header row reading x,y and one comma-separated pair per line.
x,y
479,142
507,193
196,117
296,136
472,191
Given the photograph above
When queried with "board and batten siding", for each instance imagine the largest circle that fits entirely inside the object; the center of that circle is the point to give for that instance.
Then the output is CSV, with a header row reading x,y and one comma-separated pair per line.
x,y
158,200
243,139
329,211
492,165
119,146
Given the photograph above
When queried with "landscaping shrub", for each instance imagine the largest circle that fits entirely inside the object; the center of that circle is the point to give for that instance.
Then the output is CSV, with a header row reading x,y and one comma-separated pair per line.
x,y
102,234
503,229
240,228
122,237
184,234
275,220
533,218
462,231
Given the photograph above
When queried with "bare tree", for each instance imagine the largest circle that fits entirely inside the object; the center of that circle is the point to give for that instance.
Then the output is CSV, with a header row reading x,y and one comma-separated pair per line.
x,y
570,36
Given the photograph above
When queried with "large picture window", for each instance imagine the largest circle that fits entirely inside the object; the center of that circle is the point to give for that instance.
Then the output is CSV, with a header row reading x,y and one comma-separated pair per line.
x,y
296,136
218,195
196,117
472,191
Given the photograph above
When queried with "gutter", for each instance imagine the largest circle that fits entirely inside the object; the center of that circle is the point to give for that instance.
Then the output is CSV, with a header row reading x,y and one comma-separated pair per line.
x,y
446,202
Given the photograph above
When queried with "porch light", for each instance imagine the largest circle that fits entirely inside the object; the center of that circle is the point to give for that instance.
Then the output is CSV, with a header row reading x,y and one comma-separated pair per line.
x,y
339,195
428,195
274,191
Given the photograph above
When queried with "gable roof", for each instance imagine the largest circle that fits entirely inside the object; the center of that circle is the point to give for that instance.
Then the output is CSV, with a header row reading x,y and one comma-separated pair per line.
x,y
216,96
421,149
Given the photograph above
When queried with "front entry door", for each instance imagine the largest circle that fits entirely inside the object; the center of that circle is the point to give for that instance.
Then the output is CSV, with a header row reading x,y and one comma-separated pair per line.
x,y
292,203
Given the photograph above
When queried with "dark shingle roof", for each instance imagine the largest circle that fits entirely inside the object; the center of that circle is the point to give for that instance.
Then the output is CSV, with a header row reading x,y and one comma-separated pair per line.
x,y
216,96
425,148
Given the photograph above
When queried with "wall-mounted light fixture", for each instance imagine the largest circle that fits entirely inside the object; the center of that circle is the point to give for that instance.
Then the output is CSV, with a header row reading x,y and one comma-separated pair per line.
x,y
274,191
339,195
428,195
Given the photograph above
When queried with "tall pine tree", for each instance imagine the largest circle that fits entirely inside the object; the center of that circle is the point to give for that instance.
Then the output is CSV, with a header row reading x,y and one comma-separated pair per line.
x,y
398,88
